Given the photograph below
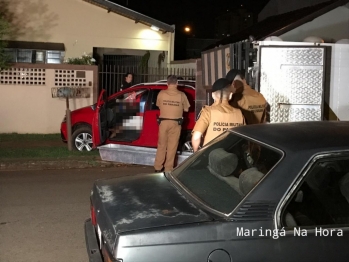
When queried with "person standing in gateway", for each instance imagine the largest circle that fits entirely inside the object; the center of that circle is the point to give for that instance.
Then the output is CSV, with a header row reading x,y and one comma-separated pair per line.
x,y
252,103
127,82
172,103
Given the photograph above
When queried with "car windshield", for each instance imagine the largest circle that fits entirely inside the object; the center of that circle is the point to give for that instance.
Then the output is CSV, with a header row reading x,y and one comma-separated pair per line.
x,y
224,171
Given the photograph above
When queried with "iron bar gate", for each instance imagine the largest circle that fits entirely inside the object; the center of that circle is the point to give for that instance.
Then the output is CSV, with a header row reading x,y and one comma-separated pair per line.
x,y
111,76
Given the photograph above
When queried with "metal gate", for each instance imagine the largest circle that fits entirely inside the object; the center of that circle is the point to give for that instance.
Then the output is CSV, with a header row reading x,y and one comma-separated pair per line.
x,y
217,62
111,76
292,79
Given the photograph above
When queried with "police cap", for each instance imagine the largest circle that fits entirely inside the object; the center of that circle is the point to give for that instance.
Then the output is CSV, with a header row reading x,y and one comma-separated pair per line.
x,y
219,84
232,74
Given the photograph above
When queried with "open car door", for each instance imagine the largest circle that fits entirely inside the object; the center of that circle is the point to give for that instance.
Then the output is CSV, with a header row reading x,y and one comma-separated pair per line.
x,y
99,122
125,113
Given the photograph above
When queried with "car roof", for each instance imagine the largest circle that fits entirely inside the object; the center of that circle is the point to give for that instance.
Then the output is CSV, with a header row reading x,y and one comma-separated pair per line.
x,y
161,85
300,136
156,85
179,80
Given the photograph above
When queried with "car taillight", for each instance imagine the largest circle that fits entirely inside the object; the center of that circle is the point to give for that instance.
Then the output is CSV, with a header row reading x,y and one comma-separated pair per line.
x,y
93,216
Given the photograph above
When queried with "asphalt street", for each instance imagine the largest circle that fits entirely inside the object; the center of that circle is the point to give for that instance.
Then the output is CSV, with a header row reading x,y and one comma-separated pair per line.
x,y
42,212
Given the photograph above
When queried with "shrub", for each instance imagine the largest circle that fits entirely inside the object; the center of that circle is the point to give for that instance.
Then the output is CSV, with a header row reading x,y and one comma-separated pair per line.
x,y
83,60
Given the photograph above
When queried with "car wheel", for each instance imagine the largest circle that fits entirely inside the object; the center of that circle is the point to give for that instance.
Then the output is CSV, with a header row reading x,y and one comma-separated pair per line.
x,y
82,139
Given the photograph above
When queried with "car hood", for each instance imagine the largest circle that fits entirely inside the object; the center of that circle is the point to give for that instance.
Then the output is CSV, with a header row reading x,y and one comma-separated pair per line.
x,y
140,202
84,109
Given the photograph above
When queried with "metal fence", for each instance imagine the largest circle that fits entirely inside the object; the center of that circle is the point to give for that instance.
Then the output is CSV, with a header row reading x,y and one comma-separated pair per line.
x,y
111,76
218,61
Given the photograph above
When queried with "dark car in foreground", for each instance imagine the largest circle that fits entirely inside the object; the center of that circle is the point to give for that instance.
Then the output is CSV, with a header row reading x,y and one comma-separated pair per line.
x,y
271,192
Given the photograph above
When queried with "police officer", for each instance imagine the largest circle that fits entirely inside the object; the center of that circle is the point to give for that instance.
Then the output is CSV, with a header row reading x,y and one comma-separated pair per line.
x,y
172,103
252,103
218,117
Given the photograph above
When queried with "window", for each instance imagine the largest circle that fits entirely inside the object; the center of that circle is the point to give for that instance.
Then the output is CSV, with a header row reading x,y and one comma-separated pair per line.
x,y
40,56
322,199
125,112
11,54
53,57
24,56
34,56
226,170
153,99
131,95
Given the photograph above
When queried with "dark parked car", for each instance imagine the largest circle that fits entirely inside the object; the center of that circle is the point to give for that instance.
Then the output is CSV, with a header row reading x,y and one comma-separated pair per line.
x,y
271,192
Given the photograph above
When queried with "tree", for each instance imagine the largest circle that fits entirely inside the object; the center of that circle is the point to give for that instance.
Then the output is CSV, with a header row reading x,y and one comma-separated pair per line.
x,y
4,31
144,66
145,60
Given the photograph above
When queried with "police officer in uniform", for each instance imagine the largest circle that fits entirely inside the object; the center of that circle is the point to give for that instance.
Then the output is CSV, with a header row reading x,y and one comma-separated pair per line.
x,y
172,103
218,117
252,103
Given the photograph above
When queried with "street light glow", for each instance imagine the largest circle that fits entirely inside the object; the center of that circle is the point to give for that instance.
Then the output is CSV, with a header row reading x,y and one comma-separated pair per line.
x,y
187,29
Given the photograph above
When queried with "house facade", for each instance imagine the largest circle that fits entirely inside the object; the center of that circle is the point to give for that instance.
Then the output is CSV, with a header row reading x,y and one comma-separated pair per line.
x,y
45,33
50,31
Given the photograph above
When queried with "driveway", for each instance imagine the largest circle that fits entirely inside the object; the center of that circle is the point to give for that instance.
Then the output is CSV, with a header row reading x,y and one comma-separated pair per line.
x,y
42,212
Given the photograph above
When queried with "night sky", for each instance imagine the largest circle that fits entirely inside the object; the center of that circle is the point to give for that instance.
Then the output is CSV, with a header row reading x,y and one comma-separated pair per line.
x,y
193,13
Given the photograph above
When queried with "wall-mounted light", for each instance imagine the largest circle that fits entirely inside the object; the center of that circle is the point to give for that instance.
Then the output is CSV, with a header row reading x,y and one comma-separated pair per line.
x,y
155,28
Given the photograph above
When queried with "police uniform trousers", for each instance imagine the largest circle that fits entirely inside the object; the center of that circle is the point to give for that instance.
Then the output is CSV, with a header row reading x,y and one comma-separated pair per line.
x,y
169,132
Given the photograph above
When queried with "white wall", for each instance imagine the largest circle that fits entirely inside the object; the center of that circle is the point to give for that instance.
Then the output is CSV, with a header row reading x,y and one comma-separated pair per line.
x,y
331,27
183,64
339,88
30,108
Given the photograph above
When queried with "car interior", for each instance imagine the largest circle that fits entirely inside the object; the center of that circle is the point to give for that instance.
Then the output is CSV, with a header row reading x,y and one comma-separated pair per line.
x,y
125,115
322,198
222,176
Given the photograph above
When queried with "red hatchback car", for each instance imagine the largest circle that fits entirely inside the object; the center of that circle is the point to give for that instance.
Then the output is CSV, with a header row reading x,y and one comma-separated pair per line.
x,y
128,117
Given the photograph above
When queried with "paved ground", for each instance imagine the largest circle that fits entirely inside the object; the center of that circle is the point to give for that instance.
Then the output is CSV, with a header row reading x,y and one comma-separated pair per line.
x,y
44,203
42,212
